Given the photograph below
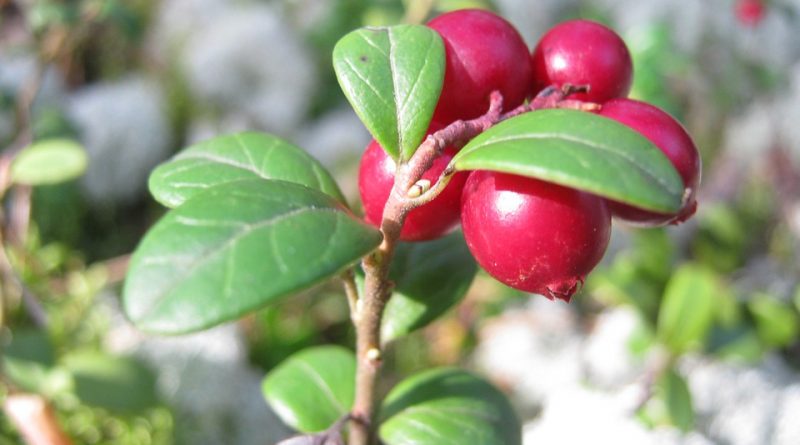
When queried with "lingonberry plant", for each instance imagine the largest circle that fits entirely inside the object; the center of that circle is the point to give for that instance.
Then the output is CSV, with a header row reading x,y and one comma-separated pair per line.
x,y
254,219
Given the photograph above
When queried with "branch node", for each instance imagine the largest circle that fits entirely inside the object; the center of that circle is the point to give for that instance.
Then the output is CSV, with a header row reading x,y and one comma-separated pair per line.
x,y
420,187
374,355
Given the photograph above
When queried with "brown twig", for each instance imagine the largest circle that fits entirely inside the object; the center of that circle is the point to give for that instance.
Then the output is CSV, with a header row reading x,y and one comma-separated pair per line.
x,y
35,420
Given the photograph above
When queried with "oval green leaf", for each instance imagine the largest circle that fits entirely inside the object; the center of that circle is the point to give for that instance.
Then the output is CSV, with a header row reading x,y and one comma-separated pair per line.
x,y
392,77
579,150
448,406
675,392
116,383
236,247
688,308
313,388
429,278
776,322
235,157
28,359
50,161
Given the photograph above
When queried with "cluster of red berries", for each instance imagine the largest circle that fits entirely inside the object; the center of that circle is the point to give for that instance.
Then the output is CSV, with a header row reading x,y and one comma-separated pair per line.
x,y
530,234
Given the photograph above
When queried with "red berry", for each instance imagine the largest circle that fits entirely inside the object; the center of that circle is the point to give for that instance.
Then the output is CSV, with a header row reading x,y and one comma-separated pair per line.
x,y
483,53
533,235
582,52
668,135
749,12
430,221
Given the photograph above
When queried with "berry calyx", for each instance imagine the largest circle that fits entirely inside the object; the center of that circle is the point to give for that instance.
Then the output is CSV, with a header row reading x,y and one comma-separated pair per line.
x,y
533,235
430,221
672,139
483,53
582,52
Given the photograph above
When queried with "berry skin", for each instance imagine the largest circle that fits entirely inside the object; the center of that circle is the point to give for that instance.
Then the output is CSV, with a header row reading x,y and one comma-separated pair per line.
x,y
430,221
533,235
749,12
483,53
669,136
582,52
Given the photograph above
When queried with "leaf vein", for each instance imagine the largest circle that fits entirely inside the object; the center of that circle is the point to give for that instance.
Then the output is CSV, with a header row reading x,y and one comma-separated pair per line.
x,y
215,250
589,143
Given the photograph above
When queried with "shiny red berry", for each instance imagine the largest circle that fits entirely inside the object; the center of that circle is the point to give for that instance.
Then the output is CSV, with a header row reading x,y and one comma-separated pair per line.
x,y
533,235
582,52
430,221
483,53
669,136
749,12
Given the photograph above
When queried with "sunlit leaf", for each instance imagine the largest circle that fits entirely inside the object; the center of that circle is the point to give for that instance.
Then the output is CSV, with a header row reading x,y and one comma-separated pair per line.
x,y
236,247
392,77
50,161
448,406
313,388
580,150
235,157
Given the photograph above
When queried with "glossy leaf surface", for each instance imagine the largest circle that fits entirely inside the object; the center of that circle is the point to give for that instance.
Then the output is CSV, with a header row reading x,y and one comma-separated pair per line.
x,y
236,157
313,388
236,247
448,406
580,150
392,77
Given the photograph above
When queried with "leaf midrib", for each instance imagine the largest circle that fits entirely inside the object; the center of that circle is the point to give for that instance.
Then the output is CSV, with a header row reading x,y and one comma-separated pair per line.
x,y
605,148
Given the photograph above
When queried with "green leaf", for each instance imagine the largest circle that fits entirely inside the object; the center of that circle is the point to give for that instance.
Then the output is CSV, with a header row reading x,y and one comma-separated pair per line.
x,y
739,343
448,406
313,388
392,77
429,278
28,360
236,247
579,150
49,162
235,157
776,323
688,308
675,393
116,383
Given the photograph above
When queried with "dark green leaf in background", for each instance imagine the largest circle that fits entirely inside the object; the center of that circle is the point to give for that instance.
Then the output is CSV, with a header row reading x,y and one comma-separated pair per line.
x,y
579,150
448,406
236,247
115,383
235,157
688,308
776,323
313,388
392,77
429,278
28,360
